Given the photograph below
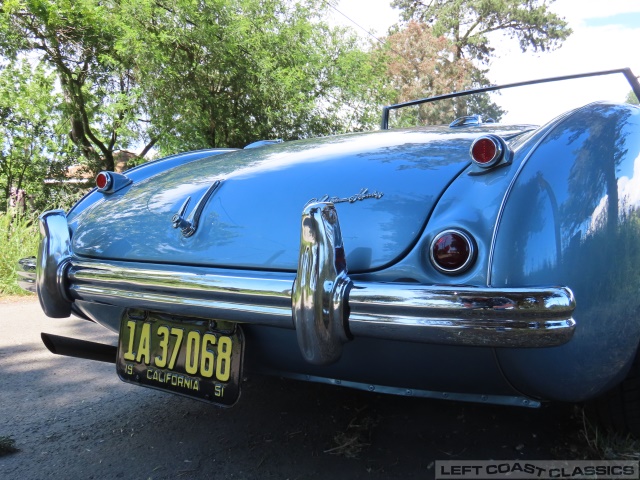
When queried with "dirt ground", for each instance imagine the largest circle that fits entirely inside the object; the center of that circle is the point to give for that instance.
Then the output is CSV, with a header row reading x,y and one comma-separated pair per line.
x,y
74,418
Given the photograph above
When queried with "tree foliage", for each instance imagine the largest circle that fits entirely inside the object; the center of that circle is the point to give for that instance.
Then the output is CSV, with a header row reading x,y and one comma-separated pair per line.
x,y
76,38
468,22
421,64
443,44
225,73
179,74
33,146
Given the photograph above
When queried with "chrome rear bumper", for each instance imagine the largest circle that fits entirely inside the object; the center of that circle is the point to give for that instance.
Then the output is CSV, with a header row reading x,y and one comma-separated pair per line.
x,y
320,302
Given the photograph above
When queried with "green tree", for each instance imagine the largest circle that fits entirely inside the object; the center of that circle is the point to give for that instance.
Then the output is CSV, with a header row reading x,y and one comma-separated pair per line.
x,y
468,22
225,73
76,38
179,74
33,146
632,99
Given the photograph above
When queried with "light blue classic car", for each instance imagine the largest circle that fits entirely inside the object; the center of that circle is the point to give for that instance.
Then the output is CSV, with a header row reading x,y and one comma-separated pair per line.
x,y
475,261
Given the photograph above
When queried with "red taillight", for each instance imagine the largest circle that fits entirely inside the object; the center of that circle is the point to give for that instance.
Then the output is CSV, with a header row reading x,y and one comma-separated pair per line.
x,y
487,151
452,251
103,181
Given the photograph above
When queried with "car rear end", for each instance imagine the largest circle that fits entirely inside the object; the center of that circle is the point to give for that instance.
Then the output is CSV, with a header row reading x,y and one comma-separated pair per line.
x,y
359,260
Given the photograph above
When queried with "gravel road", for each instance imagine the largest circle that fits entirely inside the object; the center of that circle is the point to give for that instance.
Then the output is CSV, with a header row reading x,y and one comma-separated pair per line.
x,y
75,419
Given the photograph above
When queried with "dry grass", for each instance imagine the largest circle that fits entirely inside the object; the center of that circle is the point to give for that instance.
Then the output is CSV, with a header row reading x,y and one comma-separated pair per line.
x,y
355,438
608,445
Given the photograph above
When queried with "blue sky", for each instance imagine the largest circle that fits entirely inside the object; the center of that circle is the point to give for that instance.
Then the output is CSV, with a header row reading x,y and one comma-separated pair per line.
x,y
622,20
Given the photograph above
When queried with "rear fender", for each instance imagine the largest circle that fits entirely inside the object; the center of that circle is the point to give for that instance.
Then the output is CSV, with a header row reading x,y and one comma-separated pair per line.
x,y
572,218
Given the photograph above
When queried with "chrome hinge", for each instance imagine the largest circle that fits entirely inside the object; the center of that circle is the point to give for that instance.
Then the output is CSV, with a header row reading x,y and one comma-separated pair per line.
x,y
188,226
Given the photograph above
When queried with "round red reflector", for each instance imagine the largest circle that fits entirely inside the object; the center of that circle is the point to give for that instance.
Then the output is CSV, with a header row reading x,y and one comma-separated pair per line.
x,y
452,251
484,150
102,180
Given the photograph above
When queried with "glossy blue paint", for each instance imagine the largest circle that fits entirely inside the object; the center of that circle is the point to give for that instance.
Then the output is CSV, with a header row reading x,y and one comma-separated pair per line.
x,y
573,218
384,362
252,221
563,211
144,171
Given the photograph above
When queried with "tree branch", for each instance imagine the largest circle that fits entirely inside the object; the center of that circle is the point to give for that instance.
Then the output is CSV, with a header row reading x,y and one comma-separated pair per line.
x,y
148,147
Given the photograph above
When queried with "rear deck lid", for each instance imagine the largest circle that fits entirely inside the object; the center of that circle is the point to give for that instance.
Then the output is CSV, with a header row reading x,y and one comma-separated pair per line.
x,y
384,185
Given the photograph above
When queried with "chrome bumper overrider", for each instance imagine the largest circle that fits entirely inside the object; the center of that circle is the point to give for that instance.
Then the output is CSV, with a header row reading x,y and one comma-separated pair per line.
x,y
323,305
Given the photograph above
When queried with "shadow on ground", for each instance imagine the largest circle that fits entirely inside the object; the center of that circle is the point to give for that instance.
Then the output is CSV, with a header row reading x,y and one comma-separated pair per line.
x,y
73,418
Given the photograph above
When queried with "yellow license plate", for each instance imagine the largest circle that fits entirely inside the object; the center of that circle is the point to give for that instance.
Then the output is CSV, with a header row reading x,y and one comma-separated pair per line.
x,y
198,358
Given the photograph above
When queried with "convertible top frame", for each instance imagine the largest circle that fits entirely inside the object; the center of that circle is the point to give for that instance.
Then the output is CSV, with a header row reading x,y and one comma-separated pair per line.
x,y
631,78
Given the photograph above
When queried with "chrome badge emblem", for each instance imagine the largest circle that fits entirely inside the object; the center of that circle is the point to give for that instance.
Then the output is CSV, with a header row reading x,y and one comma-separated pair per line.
x,y
362,195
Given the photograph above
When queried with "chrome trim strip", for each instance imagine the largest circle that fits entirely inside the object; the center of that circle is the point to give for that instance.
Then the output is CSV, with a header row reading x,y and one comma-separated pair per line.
x,y
465,315
473,316
222,295
409,392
